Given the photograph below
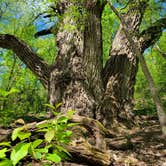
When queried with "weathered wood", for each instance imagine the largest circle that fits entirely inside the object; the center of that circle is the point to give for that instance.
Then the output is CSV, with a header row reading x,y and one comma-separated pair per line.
x,y
90,149
25,53
86,153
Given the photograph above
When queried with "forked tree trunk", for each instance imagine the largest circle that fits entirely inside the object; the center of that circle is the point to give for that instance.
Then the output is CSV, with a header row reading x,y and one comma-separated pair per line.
x,y
75,79
120,72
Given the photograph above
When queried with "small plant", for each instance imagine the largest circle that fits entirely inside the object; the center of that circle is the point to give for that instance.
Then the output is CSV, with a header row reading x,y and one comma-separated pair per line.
x,y
52,135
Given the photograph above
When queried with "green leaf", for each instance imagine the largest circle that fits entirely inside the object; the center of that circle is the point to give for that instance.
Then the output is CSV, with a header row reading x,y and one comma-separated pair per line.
x,y
53,157
23,135
15,133
50,106
13,90
58,105
36,143
49,135
37,155
5,144
3,93
41,150
3,152
70,112
42,125
63,119
19,152
6,162
61,127
55,113
69,133
65,140
62,149
6,93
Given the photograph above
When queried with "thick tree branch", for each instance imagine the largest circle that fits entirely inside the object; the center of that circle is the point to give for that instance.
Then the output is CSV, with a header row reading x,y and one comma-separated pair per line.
x,y
27,55
85,153
150,35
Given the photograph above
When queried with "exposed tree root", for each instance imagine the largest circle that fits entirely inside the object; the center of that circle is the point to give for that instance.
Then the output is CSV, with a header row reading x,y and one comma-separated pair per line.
x,y
88,143
92,144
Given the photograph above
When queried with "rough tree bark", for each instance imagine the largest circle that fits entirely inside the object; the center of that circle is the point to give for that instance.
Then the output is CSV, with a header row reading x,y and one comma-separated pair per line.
x,y
120,70
36,64
136,49
76,76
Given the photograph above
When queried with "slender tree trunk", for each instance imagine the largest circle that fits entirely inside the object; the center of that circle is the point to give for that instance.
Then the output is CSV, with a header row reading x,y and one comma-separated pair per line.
x,y
155,95
75,79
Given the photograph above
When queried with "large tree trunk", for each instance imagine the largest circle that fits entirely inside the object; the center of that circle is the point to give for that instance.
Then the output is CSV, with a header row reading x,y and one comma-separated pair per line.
x,y
75,79
120,71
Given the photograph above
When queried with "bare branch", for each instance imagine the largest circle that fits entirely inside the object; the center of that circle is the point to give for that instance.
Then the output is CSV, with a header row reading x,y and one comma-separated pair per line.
x,y
27,55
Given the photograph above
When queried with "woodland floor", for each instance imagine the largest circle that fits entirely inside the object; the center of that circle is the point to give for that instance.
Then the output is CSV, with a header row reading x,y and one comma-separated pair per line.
x,y
148,146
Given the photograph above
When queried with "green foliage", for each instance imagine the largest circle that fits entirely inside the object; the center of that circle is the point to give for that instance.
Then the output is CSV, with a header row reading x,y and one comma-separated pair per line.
x,y
152,13
157,66
56,133
18,18
109,25
19,152
78,13
4,94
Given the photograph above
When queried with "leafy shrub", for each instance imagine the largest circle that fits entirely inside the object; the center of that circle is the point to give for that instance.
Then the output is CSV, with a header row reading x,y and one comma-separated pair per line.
x,y
43,142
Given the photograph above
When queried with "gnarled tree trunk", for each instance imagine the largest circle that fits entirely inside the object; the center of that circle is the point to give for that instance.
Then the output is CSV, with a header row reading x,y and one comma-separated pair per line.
x,y
75,79
120,71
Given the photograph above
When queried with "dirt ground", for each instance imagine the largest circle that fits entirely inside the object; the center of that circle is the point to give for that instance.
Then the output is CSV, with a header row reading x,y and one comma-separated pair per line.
x,y
148,146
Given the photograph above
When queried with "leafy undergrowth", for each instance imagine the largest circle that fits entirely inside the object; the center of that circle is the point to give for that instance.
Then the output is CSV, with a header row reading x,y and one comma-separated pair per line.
x,y
49,148
148,147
